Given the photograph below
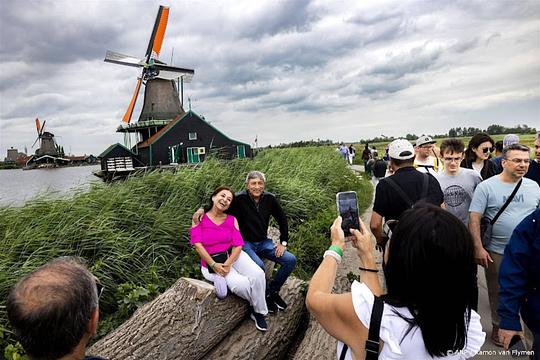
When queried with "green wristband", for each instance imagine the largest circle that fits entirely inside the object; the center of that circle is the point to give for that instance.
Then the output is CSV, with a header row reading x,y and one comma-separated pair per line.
x,y
212,265
336,249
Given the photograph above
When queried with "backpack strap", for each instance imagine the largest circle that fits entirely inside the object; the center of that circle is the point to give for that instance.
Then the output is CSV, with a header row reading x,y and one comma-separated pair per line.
x,y
508,201
372,342
400,191
425,186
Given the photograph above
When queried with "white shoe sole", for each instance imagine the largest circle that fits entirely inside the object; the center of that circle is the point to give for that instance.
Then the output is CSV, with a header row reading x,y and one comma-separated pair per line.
x,y
256,325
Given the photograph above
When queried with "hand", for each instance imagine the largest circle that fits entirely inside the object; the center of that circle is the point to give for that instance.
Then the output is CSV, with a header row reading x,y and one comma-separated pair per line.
x,y
362,240
280,250
506,335
221,269
197,217
482,256
336,233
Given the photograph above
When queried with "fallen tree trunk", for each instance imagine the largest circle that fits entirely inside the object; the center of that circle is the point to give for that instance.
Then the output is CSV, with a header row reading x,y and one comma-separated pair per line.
x,y
184,322
246,342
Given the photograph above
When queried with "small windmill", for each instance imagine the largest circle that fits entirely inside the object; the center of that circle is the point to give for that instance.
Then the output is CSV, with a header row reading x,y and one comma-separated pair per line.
x,y
155,73
47,144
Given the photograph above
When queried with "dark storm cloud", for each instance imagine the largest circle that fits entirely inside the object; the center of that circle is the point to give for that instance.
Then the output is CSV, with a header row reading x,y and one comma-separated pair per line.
x,y
48,35
277,17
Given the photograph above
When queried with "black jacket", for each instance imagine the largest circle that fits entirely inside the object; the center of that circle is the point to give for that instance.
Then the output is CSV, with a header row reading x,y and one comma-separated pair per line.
x,y
487,171
253,218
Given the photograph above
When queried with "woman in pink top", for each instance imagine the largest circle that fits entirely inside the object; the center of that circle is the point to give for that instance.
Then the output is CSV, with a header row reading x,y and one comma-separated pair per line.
x,y
218,232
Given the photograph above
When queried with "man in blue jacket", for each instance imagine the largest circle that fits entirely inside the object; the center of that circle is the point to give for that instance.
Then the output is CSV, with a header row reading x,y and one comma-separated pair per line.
x,y
519,281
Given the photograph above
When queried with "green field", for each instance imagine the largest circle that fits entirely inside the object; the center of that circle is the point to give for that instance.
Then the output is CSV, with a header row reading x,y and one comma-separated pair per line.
x,y
134,234
525,139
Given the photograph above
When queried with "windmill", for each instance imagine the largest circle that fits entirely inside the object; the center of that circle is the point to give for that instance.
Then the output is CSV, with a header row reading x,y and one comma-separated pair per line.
x,y
161,98
47,144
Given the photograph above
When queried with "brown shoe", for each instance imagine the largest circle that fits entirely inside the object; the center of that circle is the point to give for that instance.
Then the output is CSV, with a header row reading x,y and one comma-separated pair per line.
x,y
495,336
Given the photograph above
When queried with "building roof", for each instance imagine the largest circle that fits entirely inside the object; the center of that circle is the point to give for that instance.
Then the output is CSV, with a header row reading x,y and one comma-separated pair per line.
x,y
110,148
175,121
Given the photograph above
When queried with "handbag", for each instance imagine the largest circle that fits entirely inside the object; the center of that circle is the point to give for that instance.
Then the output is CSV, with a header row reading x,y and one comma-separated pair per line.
x,y
372,342
486,225
219,257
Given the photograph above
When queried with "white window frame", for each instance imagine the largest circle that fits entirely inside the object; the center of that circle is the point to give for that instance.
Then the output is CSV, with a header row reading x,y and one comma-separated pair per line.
x,y
192,136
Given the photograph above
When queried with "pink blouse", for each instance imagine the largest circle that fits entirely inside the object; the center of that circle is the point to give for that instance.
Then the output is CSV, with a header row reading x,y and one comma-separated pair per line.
x,y
216,238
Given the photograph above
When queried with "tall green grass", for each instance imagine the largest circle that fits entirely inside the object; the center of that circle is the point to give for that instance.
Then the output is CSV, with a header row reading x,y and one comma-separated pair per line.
x,y
136,232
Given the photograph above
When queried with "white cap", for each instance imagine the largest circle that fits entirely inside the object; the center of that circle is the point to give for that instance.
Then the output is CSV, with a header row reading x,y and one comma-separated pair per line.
x,y
510,139
401,149
424,139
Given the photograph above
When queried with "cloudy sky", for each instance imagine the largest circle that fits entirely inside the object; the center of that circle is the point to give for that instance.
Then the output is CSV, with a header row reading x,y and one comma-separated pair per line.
x,y
281,70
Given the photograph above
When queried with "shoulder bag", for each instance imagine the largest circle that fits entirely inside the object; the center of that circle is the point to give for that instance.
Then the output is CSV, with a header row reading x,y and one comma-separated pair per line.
x,y
372,343
486,225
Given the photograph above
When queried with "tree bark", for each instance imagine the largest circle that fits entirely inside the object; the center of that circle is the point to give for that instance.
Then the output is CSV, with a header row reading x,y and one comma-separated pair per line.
x,y
184,322
246,342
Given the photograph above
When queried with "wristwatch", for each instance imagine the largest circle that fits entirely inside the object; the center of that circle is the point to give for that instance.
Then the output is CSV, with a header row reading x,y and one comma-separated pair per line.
x,y
284,243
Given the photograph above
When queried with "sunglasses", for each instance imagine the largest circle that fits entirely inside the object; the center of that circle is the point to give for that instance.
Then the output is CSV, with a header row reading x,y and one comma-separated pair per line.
x,y
487,150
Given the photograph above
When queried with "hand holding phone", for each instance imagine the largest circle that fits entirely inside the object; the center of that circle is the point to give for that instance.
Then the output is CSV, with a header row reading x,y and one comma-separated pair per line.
x,y
347,205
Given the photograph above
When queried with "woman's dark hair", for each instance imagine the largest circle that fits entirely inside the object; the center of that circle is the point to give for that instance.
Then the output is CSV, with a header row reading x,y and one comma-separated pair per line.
x,y
475,142
208,206
431,271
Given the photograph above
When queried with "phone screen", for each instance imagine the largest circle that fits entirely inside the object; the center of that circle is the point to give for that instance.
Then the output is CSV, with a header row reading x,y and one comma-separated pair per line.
x,y
347,204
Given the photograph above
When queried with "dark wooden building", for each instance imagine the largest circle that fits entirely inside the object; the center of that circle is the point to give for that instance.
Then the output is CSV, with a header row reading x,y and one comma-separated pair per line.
x,y
189,139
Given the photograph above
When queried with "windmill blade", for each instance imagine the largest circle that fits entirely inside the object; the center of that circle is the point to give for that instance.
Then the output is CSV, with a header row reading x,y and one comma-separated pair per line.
x,y
158,33
127,60
35,141
43,127
129,111
171,72
38,126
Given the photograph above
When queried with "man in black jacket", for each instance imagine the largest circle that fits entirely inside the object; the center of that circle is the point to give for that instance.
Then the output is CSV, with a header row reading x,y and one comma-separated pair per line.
x,y
252,208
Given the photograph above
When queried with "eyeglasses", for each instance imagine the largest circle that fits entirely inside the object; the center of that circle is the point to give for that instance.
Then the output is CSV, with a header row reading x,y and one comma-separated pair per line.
x,y
519,161
487,150
449,159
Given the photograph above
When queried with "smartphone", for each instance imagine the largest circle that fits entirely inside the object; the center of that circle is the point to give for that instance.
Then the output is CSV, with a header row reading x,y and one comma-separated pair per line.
x,y
347,205
516,347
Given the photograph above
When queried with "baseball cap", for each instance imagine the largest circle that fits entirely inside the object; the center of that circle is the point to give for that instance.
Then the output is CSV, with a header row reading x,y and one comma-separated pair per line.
x,y
401,149
424,139
510,139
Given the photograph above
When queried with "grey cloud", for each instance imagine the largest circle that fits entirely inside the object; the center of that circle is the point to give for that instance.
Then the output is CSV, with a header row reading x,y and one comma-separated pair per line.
x,y
416,60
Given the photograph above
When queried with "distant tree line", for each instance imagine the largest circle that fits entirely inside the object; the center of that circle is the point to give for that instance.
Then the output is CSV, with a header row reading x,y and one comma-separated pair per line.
x,y
462,131
453,132
305,143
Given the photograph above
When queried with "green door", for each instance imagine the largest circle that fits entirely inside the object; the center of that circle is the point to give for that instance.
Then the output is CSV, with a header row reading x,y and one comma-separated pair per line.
x,y
193,155
240,151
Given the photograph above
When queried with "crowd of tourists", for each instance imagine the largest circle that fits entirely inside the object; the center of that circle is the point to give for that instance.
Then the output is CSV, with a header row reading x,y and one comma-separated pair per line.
x,y
437,214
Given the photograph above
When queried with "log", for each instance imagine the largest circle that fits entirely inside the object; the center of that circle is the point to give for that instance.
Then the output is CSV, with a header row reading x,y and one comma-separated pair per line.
x,y
246,342
184,322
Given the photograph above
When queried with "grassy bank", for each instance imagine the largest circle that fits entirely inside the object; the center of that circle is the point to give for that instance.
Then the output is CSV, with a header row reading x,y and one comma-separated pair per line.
x,y
134,234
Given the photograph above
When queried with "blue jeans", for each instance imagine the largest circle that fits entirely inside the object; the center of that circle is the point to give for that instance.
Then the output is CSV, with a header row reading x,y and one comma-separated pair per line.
x,y
265,249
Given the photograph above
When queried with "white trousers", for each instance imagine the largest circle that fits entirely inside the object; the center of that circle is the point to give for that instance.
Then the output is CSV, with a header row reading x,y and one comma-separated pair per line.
x,y
246,279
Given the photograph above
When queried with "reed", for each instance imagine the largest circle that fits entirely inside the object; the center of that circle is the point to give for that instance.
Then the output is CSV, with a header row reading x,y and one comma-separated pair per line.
x,y
136,232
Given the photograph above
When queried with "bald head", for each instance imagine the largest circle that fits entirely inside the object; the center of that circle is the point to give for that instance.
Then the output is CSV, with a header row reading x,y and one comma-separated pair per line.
x,y
50,308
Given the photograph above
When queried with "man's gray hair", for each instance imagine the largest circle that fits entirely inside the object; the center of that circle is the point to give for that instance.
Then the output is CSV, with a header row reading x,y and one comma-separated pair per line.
x,y
255,175
518,147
